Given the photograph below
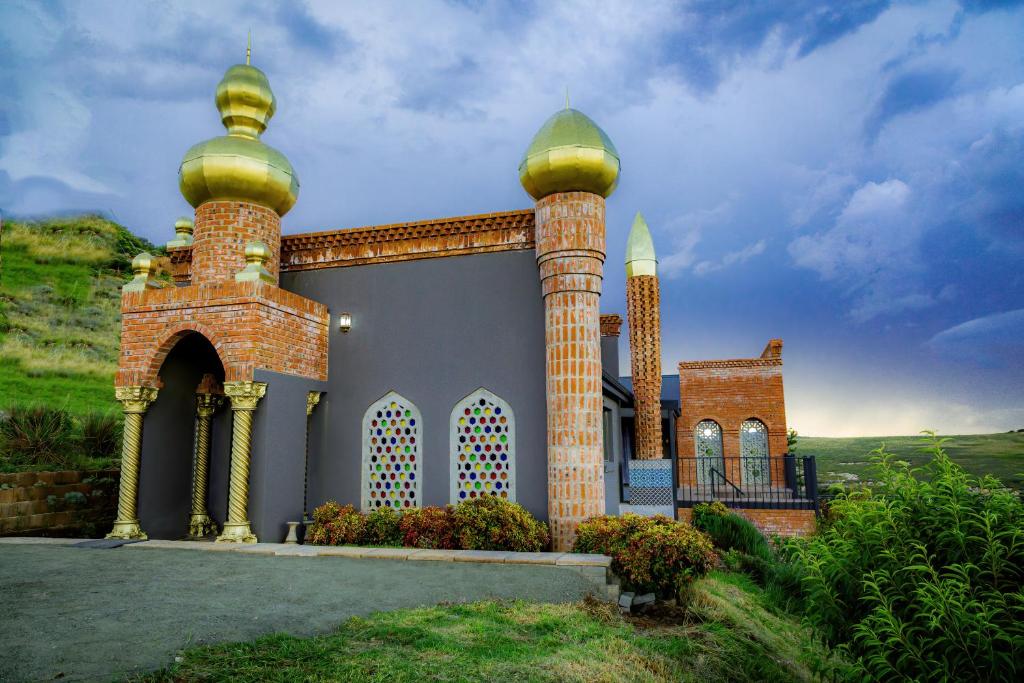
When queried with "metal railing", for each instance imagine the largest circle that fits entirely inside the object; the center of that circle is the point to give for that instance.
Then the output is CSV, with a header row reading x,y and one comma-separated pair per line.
x,y
787,482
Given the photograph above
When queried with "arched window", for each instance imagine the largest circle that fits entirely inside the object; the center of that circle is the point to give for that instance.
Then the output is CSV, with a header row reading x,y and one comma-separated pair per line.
x,y
754,452
707,439
392,430
483,448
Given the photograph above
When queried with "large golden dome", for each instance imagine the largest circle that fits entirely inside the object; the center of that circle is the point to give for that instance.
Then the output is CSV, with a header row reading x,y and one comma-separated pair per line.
x,y
239,166
570,153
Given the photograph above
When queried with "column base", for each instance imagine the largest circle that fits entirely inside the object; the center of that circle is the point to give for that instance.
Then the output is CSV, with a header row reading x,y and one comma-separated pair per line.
x,y
200,526
236,532
127,530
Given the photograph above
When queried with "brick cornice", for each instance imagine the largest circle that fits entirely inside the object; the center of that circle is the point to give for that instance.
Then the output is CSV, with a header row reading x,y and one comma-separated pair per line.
x,y
731,363
502,231
611,323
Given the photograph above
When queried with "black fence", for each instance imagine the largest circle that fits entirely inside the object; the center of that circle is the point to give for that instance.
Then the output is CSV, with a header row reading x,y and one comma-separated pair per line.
x,y
789,482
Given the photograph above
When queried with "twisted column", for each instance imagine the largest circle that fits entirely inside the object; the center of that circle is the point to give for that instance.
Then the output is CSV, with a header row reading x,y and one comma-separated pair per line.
x,y
312,400
136,401
200,524
244,398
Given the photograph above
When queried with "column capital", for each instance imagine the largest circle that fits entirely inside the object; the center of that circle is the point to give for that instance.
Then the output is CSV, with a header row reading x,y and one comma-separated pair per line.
x,y
207,404
135,399
245,395
312,400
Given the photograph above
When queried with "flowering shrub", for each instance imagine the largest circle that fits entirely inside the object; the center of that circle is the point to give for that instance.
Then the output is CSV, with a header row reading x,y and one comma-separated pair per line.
x,y
481,524
429,527
489,523
335,524
651,554
381,527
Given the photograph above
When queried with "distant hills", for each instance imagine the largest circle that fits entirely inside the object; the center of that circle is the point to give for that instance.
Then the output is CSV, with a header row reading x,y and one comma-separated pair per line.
x,y
60,296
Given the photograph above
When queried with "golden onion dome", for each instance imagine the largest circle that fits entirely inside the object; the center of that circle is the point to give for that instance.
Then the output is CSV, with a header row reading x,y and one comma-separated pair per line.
x,y
570,153
239,166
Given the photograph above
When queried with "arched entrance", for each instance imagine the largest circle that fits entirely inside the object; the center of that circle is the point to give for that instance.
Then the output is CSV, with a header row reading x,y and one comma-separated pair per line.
x,y
166,467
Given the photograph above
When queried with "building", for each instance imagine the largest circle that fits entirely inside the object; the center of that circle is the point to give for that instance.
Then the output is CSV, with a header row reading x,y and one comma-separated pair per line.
x,y
400,365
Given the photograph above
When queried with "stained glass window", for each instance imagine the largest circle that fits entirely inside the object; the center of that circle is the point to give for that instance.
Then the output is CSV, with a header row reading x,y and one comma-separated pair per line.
x,y
483,448
754,452
707,439
392,429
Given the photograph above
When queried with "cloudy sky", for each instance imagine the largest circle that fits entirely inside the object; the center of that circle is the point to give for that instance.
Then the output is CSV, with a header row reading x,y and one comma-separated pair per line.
x,y
849,178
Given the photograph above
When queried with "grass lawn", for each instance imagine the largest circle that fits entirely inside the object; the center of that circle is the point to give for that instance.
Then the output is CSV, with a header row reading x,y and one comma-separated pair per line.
x,y
728,633
846,459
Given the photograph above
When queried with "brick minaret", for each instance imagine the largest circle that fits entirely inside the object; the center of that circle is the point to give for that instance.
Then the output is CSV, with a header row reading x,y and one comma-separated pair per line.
x,y
644,317
570,168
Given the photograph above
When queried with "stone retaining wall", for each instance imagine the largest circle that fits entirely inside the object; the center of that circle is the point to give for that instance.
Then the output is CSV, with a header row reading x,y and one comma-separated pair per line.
x,y
67,503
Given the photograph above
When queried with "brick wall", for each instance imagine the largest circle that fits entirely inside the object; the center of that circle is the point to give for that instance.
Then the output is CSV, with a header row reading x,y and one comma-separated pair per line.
x,y
773,522
643,303
223,228
570,256
611,323
37,503
250,324
729,392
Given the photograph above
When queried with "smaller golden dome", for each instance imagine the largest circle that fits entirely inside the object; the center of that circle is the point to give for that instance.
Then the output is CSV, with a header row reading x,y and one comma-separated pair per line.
x,y
239,166
570,153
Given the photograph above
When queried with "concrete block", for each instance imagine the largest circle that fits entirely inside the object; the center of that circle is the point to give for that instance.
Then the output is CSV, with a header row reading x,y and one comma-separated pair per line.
x,y
389,553
433,555
480,556
626,600
533,558
583,560
339,551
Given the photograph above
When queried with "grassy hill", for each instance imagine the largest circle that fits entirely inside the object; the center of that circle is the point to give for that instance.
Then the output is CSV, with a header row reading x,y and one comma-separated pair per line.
x,y
846,459
60,282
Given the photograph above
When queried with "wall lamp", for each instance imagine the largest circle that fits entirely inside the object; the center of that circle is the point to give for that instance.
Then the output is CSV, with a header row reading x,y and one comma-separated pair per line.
x,y
345,322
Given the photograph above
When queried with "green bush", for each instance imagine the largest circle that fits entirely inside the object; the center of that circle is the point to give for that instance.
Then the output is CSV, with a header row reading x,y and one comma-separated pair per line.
x,y
335,524
703,510
729,531
650,554
491,523
922,576
37,435
381,527
429,527
101,435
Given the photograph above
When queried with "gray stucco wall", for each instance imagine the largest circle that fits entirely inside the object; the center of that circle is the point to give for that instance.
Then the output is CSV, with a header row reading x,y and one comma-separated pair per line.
x,y
165,475
610,355
277,467
433,330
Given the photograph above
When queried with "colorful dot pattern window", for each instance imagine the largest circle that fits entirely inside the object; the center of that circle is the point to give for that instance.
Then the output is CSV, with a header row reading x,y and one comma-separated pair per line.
x,y
483,448
392,429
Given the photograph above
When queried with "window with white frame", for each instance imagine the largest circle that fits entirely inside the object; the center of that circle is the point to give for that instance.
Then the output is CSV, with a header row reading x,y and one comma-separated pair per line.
x,y
392,429
483,448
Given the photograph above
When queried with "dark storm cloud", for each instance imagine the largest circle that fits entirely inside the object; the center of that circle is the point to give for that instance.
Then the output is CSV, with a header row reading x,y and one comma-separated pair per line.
x,y
910,92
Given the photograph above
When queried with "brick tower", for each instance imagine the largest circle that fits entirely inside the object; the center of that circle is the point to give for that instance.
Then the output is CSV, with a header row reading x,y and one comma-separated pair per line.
x,y
570,168
240,188
643,313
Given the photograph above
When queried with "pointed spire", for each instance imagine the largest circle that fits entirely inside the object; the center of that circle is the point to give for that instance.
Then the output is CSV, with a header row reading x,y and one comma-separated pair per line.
x,y
640,257
248,48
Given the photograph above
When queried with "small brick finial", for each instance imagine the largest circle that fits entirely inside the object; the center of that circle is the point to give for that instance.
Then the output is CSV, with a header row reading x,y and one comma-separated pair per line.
x,y
257,255
183,229
773,349
143,266
611,324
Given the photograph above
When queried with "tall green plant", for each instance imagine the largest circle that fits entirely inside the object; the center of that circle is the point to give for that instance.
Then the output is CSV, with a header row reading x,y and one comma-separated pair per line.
x,y
922,576
37,435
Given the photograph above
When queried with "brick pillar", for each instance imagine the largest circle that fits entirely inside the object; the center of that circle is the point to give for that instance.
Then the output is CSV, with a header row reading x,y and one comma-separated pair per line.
x,y
570,256
223,228
644,316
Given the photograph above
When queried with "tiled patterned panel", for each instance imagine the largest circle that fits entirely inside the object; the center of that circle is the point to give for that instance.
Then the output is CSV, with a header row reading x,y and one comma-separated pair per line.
x,y
650,473
483,448
391,454
650,486
650,496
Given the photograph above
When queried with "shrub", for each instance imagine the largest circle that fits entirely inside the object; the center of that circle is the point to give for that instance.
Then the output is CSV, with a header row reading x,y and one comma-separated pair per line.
x,y
922,576
490,523
335,524
381,527
701,511
651,554
101,435
37,436
429,527
730,531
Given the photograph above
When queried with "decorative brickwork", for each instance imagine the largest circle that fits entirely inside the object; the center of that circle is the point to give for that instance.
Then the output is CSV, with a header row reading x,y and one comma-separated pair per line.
x,y
611,323
223,228
250,324
773,522
731,392
570,255
643,304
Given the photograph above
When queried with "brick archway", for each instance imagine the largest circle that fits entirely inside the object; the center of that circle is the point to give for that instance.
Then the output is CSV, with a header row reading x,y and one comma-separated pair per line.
x,y
174,333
